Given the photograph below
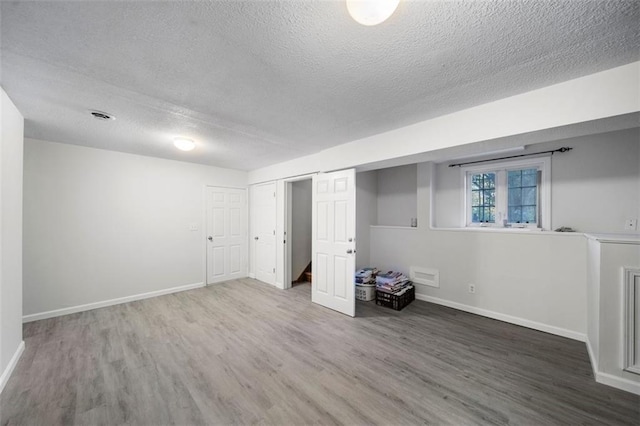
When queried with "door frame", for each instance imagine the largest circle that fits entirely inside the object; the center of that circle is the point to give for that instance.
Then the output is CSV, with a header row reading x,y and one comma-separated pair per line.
x,y
203,228
288,219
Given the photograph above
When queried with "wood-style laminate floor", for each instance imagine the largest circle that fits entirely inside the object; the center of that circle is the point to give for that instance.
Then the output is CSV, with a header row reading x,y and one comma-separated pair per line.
x,y
243,352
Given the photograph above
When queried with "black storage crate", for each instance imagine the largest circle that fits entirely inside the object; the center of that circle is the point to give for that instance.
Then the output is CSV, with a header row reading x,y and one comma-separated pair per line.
x,y
395,302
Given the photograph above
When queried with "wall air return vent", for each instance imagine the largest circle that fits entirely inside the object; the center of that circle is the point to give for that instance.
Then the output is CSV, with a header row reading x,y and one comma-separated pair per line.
x,y
425,276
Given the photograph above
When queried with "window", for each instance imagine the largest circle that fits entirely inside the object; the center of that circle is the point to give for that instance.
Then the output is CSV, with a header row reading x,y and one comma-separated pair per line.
x,y
508,194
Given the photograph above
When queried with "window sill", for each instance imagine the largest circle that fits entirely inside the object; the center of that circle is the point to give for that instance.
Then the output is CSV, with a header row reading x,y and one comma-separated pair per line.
x,y
615,238
530,231
393,227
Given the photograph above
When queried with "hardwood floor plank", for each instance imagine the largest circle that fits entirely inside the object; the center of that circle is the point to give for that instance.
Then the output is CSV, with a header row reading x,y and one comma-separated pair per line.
x,y
243,352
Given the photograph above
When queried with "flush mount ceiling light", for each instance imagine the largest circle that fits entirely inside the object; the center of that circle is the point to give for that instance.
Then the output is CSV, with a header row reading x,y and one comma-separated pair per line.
x,y
184,144
371,12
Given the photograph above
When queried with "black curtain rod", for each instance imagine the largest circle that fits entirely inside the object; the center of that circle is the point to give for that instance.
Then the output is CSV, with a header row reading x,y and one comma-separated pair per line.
x,y
563,149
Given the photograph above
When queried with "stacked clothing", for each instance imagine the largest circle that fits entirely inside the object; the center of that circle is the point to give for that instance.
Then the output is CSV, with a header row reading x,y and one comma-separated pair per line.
x,y
366,276
393,282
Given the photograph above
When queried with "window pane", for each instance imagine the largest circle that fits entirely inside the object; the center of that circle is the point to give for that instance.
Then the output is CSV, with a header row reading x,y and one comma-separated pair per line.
x,y
476,181
529,196
529,214
515,214
530,177
514,178
522,195
489,180
475,198
475,214
515,196
483,197
490,197
489,214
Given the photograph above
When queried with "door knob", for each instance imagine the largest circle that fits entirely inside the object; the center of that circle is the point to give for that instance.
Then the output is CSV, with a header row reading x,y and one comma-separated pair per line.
x,y
255,238
210,238
349,251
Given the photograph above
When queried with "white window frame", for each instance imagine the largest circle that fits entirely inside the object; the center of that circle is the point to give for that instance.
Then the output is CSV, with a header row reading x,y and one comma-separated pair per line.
x,y
500,168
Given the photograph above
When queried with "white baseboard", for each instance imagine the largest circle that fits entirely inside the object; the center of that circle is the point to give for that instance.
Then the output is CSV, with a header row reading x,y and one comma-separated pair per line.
x,y
618,382
506,318
105,303
252,275
592,358
610,379
11,366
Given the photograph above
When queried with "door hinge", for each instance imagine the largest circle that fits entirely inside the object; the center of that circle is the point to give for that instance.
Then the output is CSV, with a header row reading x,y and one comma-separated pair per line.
x,y
274,232
274,270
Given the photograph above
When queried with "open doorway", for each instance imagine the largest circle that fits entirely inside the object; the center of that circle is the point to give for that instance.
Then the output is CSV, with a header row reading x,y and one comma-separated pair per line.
x,y
298,232
298,198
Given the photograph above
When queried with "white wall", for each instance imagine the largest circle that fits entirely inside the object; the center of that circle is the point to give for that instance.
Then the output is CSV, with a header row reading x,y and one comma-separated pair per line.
x,y
602,171
11,153
536,280
597,96
593,301
300,227
397,195
366,214
101,225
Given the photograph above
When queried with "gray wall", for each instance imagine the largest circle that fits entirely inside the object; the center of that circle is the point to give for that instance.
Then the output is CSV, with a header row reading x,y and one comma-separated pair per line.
x,y
102,225
594,188
11,152
366,214
531,278
300,227
397,195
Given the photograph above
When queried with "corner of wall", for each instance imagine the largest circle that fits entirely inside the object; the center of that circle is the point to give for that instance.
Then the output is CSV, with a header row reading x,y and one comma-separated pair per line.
x,y
6,374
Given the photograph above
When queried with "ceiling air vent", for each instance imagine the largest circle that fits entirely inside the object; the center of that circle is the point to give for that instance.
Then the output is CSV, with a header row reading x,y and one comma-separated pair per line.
x,y
102,115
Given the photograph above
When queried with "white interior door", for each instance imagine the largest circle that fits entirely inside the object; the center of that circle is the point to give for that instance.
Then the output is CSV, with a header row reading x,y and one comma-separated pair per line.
x,y
263,219
333,235
226,234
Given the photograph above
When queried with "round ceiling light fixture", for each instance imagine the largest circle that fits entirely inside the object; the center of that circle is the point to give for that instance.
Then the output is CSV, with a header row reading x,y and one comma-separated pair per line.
x,y
371,12
184,144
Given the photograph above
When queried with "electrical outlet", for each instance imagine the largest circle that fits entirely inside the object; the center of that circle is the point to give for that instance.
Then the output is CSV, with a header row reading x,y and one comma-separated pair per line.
x,y
472,288
630,224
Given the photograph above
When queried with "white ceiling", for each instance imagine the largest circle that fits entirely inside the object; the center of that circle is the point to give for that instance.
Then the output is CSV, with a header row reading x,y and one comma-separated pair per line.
x,y
259,82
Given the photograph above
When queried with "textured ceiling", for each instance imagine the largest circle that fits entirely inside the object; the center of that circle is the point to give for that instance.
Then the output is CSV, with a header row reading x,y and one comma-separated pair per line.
x,y
259,82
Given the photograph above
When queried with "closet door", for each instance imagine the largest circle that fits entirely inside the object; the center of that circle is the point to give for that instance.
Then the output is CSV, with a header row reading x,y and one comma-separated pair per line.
x,y
263,231
333,245
226,234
